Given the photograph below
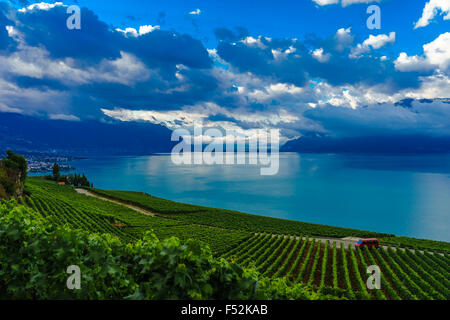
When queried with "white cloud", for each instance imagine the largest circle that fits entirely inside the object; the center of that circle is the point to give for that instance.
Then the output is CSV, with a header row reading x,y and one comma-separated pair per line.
x,y
411,63
31,100
147,29
244,122
41,6
435,86
5,108
66,117
270,92
350,2
35,62
127,70
343,2
436,55
195,12
254,42
325,2
319,56
279,54
343,39
135,33
376,42
430,11
373,42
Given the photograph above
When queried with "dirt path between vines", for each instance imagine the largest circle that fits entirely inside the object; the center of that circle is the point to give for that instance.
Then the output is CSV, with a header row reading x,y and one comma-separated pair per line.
x,y
135,208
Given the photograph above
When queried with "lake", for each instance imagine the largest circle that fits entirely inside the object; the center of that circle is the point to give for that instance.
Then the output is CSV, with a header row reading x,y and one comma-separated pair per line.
x,y
403,195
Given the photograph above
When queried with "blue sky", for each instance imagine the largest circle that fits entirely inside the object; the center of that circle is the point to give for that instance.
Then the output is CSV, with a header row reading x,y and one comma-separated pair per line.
x,y
280,19
305,67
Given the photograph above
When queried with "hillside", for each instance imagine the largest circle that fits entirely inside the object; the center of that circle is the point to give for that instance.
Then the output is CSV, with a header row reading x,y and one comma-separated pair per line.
x,y
274,248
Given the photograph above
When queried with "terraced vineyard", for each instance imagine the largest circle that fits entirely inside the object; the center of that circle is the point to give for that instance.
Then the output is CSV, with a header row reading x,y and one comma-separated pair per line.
x,y
229,219
324,265
404,274
65,206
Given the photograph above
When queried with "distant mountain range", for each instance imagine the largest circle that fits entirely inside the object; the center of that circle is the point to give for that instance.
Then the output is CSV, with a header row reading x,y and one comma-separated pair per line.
x,y
394,144
90,138
82,138
399,144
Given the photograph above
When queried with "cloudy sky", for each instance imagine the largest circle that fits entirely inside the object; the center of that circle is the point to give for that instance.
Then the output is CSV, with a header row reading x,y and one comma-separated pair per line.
x,y
310,66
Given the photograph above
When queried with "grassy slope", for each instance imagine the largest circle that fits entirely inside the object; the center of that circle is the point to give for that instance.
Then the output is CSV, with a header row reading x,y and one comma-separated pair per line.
x,y
242,221
99,216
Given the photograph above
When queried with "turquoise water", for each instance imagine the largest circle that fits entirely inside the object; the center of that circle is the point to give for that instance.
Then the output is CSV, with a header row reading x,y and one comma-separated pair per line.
x,y
404,195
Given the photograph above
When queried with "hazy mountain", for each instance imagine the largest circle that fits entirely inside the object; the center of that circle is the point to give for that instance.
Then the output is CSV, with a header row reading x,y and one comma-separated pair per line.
x,y
380,144
26,133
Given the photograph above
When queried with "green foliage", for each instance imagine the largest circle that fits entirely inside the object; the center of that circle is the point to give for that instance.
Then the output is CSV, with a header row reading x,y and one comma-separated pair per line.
x,y
13,172
151,203
6,184
95,215
35,254
334,266
307,267
16,162
282,289
77,180
56,172
324,265
413,243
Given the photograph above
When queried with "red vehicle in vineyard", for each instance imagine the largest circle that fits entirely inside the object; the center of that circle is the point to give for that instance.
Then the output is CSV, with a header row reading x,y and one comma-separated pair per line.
x,y
372,242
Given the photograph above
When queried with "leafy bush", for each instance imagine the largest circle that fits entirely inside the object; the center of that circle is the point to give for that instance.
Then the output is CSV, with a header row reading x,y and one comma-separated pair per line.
x,y
35,254
16,162
283,289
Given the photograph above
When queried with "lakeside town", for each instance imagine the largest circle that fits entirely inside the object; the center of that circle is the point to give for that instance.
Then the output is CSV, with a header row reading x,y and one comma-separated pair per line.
x,y
43,162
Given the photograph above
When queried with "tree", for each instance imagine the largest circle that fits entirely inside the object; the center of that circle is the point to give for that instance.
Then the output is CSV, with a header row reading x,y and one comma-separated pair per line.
x,y
84,181
13,172
56,172
17,162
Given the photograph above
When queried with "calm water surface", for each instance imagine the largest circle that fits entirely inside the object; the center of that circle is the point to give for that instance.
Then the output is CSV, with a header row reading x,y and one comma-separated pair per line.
x,y
404,195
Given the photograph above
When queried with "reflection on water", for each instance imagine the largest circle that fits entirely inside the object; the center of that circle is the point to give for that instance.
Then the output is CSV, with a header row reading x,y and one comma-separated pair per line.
x,y
405,195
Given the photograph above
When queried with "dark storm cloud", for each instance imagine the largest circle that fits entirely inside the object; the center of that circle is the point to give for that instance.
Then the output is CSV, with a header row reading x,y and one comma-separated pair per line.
x,y
96,40
165,49
93,42
154,94
299,66
419,117
164,53
100,67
